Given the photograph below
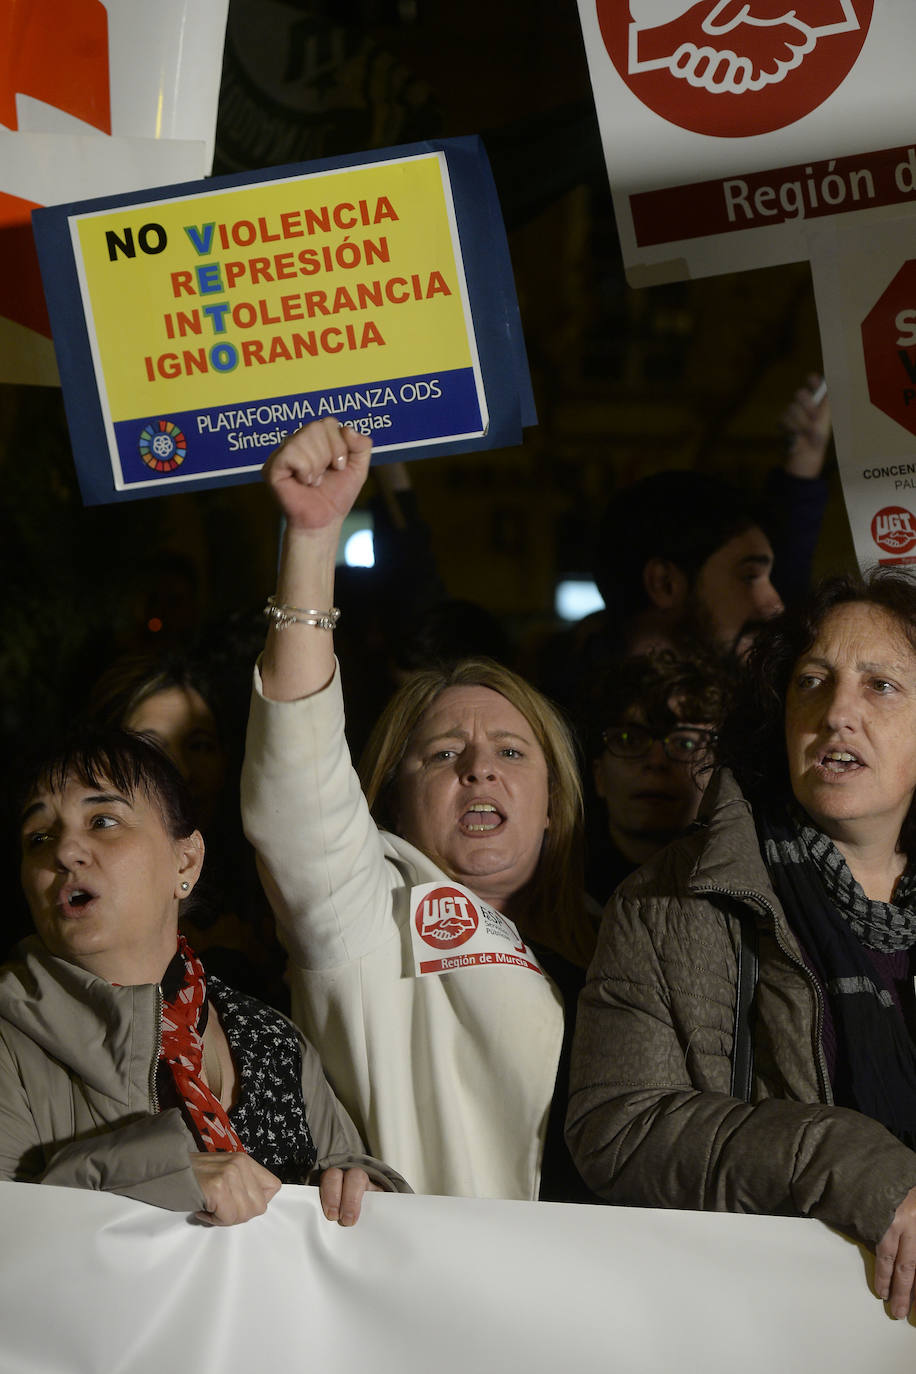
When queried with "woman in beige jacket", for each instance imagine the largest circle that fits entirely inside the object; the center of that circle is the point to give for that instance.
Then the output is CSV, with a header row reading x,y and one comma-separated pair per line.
x,y
122,1067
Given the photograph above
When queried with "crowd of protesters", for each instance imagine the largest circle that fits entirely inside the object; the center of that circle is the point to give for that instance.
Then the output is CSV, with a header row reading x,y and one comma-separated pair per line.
x,y
404,972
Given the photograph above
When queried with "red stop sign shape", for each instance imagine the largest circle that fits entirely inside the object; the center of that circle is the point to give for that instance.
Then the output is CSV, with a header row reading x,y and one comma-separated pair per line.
x,y
889,344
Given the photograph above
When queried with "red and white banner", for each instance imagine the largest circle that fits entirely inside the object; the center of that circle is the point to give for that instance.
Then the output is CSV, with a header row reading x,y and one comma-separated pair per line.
x,y
95,99
92,1282
728,124
865,286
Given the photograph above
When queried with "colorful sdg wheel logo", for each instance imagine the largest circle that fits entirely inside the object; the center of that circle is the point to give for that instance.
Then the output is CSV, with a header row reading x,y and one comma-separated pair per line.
x,y
162,446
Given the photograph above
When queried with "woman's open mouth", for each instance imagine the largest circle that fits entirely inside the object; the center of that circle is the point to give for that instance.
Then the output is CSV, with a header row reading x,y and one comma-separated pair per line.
x,y
839,762
481,818
74,900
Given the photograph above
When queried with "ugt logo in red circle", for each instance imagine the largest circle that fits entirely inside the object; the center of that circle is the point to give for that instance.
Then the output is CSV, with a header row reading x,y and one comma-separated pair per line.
x,y
894,530
734,67
446,918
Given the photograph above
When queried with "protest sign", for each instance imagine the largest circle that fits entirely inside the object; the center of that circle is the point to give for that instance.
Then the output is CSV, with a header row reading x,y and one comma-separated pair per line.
x,y
728,124
94,99
865,287
197,328
421,1283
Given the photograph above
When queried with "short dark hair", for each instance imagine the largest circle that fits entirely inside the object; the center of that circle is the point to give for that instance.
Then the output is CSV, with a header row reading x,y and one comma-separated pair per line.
x,y
752,739
683,517
131,763
649,681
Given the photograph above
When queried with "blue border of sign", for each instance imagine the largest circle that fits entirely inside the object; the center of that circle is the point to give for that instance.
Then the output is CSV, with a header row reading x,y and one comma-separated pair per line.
x,y
491,292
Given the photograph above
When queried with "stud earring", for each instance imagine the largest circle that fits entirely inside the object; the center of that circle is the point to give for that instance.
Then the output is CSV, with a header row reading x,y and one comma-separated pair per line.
x,y
185,886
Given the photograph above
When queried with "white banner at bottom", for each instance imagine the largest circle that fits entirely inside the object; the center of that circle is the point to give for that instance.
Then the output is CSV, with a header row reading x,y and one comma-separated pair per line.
x,y
96,1284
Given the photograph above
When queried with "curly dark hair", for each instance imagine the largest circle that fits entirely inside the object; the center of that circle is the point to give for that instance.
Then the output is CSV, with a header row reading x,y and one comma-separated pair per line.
x,y
700,686
752,737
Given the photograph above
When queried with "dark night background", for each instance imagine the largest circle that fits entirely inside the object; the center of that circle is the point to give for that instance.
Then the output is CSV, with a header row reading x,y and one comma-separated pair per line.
x,y
691,375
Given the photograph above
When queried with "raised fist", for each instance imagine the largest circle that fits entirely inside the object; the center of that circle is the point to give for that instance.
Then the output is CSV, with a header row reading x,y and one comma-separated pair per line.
x,y
316,474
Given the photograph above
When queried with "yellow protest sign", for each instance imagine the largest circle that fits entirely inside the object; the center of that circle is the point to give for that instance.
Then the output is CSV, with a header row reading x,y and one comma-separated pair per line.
x,y
221,317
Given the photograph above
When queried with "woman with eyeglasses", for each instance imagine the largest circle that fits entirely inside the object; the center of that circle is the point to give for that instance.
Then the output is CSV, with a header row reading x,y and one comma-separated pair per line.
x,y
649,727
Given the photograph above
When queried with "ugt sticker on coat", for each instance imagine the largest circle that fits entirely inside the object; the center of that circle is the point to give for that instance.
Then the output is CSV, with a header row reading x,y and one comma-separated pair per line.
x,y
452,929
865,285
729,123
220,317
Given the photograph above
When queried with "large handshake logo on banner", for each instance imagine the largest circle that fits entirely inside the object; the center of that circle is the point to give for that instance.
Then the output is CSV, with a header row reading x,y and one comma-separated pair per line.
x,y
731,45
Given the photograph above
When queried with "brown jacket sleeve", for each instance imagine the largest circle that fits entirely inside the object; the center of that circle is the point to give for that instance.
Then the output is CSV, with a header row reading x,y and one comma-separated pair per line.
x,y
650,1120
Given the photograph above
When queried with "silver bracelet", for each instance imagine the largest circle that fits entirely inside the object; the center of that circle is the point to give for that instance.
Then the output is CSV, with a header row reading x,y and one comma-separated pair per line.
x,y
281,616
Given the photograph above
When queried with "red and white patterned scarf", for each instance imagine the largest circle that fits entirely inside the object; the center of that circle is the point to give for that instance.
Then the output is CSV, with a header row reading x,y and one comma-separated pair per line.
x,y
182,1051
